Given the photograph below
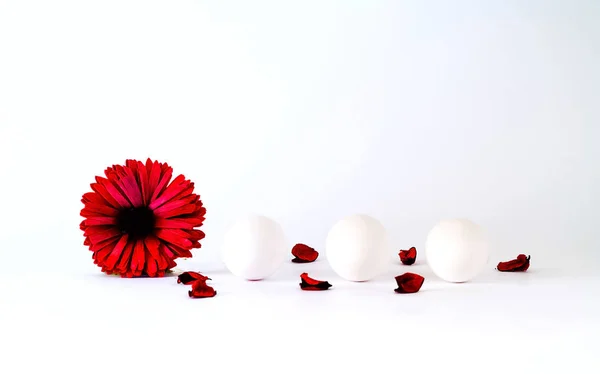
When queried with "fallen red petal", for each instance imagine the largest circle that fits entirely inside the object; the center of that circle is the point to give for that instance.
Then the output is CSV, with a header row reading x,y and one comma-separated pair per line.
x,y
310,284
521,263
408,257
190,277
304,253
201,290
409,283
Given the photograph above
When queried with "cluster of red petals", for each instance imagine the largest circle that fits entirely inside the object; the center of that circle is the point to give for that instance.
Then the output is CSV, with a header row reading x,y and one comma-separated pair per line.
x,y
199,289
303,253
521,263
138,220
309,284
409,283
408,257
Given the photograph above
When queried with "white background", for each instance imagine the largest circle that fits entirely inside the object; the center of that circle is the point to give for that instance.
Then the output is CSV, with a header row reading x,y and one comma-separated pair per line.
x,y
410,111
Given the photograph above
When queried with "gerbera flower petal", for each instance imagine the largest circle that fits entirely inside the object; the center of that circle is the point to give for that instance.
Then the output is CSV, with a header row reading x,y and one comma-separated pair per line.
x,y
151,267
131,190
92,197
92,210
124,261
178,212
196,235
175,205
170,263
154,174
165,178
178,251
101,253
178,223
153,244
94,202
138,257
142,176
114,192
163,259
115,254
94,230
178,185
108,243
103,235
169,254
101,190
200,210
188,191
174,237
100,221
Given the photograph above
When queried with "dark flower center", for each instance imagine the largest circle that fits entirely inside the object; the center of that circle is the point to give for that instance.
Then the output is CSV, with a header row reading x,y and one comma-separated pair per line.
x,y
137,222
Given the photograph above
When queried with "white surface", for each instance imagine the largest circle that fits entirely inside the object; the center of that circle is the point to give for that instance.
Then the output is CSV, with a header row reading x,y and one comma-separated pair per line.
x,y
358,248
254,247
457,250
541,320
306,112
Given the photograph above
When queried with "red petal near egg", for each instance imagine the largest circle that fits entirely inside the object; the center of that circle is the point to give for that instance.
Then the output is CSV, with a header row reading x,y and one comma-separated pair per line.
x,y
201,290
304,253
521,263
408,257
310,284
409,283
190,277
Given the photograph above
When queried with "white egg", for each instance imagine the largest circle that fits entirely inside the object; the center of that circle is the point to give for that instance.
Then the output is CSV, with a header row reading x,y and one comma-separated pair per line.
x,y
457,250
357,248
254,247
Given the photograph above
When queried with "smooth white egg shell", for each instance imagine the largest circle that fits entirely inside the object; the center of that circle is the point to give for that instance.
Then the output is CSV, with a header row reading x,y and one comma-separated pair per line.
x,y
357,248
254,247
457,250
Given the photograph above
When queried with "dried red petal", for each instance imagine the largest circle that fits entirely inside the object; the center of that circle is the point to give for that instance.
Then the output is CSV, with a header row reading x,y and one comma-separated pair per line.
x,y
304,253
201,290
190,277
521,263
408,257
409,283
310,284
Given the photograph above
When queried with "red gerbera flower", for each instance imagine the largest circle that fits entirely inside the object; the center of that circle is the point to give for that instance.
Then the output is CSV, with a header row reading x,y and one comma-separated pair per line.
x,y
138,221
